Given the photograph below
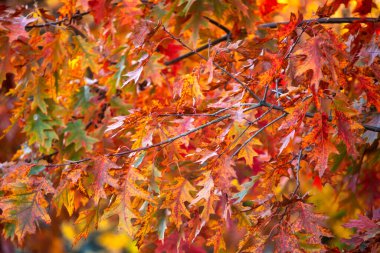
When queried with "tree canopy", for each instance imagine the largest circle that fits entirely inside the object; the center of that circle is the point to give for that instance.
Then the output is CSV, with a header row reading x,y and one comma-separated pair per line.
x,y
192,126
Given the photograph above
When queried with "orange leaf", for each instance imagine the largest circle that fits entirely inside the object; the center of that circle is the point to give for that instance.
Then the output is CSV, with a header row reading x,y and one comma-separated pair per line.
x,y
320,138
101,168
176,196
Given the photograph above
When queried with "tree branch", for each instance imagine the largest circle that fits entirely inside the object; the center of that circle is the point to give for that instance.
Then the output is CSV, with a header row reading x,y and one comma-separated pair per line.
x,y
215,64
372,128
199,49
226,37
324,21
261,102
173,138
297,172
59,22
68,163
258,131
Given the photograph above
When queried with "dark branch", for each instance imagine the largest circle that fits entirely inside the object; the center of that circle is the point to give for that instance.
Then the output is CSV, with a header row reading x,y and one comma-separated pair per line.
x,y
372,128
225,29
297,172
69,163
324,21
226,37
167,141
199,49
270,25
59,22
257,132
215,64
173,138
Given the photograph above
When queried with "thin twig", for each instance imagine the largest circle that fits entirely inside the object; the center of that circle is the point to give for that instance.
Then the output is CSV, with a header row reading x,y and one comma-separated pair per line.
x,y
226,37
297,172
58,22
258,131
265,92
324,21
215,64
199,49
167,141
69,163
173,138
245,130
295,43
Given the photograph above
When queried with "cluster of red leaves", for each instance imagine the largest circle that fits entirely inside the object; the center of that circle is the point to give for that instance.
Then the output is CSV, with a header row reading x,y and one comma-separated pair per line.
x,y
219,151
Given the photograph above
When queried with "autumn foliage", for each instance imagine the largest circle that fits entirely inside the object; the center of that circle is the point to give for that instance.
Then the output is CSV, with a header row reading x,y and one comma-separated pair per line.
x,y
265,141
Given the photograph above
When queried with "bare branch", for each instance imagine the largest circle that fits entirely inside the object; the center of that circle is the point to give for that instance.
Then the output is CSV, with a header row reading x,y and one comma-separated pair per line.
x,y
69,163
215,64
226,37
295,43
173,138
372,128
59,22
323,21
258,131
297,172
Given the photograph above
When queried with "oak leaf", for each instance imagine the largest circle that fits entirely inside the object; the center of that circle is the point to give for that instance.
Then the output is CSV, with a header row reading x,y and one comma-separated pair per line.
x,y
123,205
26,207
285,241
87,222
175,197
99,9
133,75
78,136
206,198
16,27
310,222
101,169
319,137
217,239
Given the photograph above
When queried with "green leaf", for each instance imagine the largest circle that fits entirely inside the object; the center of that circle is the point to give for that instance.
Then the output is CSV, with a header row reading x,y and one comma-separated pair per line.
x,y
120,68
83,97
139,159
25,208
246,187
194,25
188,5
39,127
65,198
36,169
162,225
78,136
89,57
39,96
